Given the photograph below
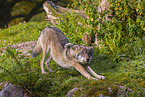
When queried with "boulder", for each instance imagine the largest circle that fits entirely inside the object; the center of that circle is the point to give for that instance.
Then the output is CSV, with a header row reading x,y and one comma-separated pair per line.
x,y
71,92
9,90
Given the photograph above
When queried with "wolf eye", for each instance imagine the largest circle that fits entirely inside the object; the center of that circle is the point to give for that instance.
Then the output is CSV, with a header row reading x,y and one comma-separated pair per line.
x,y
90,53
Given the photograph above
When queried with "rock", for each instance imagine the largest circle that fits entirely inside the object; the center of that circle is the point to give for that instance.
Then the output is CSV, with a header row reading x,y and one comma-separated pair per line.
x,y
71,92
23,47
9,90
122,91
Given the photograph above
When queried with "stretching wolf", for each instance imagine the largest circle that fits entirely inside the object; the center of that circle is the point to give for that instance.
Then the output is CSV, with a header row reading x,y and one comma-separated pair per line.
x,y
63,52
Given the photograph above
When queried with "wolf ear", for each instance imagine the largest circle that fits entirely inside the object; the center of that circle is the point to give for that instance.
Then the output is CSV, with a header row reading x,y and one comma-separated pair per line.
x,y
75,47
73,50
68,45
90,48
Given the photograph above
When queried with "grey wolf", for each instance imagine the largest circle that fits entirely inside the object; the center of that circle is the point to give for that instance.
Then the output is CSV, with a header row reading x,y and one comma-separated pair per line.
x,y
63,52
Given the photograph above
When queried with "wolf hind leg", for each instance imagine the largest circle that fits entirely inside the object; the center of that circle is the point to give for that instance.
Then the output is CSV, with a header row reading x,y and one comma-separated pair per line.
x,y
45,49
42,61
47,63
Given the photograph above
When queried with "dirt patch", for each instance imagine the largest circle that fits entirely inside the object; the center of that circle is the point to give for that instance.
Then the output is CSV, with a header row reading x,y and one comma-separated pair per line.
x,y
23,47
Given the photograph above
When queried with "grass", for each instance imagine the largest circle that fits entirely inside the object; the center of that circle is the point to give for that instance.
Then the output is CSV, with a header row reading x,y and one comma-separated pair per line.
x,y
21,32
26,72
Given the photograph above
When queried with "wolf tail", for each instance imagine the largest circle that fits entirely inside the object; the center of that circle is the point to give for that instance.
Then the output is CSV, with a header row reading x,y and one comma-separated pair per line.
x,y
37,49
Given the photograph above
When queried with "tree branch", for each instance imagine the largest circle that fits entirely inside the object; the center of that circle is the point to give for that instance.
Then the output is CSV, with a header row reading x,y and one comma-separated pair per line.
x,y
53,11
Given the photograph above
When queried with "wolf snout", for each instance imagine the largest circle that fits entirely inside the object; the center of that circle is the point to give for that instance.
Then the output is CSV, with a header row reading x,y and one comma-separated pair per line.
x,y
87,60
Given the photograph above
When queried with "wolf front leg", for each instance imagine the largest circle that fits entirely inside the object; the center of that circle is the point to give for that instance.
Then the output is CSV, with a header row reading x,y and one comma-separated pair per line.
x,y
93,73
82,71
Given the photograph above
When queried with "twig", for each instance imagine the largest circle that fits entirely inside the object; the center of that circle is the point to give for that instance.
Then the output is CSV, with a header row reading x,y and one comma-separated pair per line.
x,y
29,91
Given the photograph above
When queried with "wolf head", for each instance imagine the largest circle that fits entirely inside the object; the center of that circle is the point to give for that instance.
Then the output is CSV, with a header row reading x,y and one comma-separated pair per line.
x,y
81,53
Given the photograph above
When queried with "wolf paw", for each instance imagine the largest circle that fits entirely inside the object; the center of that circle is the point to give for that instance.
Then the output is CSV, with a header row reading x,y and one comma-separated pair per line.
x,y
44,72
94,78
51,71
101,77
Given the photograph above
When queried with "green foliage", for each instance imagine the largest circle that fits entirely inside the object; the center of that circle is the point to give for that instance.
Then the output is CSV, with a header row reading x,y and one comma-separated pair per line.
x,y
78,25
124,27
73,31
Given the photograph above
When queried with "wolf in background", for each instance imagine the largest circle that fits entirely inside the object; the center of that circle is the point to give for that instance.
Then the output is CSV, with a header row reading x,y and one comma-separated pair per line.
x,y
63,52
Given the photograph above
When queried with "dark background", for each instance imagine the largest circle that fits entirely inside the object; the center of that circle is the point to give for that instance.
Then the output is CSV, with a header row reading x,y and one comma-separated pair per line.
x,y
14,11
